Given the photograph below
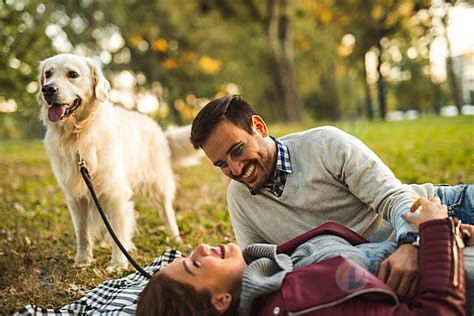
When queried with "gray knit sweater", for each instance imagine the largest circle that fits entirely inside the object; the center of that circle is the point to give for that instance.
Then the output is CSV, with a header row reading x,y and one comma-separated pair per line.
x,y
267,269
335,178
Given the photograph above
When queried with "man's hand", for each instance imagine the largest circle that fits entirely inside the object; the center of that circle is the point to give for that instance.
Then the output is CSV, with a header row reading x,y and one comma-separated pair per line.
x,y
400,270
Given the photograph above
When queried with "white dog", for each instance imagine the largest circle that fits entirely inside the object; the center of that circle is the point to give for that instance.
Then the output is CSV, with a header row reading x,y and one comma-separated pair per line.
x,y
124,151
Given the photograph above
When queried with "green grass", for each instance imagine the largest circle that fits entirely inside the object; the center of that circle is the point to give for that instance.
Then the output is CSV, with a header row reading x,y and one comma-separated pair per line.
x,y
37,244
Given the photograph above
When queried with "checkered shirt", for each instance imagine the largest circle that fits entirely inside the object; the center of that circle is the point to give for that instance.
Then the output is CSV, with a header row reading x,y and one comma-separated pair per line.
x,y
283,168
112,297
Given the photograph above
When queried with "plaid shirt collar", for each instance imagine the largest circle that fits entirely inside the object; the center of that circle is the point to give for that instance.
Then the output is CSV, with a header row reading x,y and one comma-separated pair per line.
x,y
283,168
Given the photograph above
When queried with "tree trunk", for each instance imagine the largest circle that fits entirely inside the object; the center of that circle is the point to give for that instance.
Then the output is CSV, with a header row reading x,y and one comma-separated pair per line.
x,y
437,98
381,93
329,85
279,32
175,113
453,82
369,105
452,79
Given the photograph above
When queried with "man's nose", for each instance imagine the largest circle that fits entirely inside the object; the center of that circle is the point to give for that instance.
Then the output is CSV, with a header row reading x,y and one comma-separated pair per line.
x,y
49,90
235,167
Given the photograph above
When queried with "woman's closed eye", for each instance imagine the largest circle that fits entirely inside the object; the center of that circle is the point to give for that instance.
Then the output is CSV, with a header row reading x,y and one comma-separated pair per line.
x,y
196,263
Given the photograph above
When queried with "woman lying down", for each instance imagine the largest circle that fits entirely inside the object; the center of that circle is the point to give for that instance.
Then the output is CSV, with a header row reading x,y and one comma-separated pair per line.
x,y
327,271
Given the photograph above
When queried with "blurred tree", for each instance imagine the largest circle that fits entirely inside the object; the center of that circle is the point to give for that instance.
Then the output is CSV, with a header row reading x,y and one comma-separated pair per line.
x,y
455,88
375,21
319,66
274,18
24,43
410,75
161,40
278,53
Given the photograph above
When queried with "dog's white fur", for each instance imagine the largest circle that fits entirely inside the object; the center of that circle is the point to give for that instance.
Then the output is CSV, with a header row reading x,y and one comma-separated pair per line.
x,y
125,151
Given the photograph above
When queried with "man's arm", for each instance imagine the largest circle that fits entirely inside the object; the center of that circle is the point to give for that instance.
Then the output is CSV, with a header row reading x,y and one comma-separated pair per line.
x,y
370,180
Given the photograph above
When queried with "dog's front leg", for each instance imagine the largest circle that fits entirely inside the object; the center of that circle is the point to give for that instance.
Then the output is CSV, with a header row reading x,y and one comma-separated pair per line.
x,y
80,213
121,214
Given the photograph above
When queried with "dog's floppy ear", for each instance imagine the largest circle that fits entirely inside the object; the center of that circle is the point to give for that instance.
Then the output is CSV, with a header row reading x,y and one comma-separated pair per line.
x,y
101,85
40,72
40,79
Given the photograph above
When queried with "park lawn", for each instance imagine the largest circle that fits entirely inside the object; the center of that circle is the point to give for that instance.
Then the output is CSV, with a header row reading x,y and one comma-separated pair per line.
x,y
37,244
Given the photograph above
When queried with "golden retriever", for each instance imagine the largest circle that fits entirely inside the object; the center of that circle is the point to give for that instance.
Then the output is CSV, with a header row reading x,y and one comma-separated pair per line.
x,y
125,151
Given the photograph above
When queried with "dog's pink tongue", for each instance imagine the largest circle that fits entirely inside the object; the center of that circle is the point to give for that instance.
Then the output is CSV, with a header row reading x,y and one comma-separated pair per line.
x,y
56,112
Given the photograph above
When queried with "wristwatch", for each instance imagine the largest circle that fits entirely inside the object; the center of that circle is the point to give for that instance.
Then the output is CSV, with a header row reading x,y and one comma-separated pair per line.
x,y
409,238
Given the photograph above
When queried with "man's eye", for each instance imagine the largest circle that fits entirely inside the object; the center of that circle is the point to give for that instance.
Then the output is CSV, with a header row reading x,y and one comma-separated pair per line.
x,y
197,264
73,74
237,151
48,74
221,164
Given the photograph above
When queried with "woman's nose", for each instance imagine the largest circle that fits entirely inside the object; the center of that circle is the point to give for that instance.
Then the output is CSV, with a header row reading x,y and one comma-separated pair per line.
x,y
201,251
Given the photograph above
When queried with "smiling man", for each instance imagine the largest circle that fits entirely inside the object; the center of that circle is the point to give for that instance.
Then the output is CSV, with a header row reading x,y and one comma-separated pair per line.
x,y
284,187
252,159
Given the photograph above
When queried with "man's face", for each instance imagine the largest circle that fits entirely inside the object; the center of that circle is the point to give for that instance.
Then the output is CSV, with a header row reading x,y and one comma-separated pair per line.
x,y
247,158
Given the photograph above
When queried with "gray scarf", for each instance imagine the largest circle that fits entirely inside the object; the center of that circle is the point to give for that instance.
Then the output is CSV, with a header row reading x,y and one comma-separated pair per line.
x,y
267,269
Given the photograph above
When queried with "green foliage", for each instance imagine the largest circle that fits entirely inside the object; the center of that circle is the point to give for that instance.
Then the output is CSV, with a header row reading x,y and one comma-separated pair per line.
x,y
24,44
184,51
37,244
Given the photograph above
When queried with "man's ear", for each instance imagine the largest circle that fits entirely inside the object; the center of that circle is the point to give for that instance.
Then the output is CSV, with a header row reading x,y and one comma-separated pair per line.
x,y
101,85
222,302
259,125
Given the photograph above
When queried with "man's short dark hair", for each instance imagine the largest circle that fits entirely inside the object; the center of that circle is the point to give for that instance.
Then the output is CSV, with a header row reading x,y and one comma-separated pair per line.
x,y
232,108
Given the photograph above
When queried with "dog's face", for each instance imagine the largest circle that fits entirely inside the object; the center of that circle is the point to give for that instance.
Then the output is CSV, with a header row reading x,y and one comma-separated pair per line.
x,y
69,84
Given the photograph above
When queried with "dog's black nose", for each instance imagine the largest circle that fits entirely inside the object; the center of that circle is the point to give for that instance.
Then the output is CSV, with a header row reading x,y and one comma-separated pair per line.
x,y
49,90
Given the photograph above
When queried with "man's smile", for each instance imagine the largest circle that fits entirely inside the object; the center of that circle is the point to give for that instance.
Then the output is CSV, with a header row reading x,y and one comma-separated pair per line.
x,y
249,172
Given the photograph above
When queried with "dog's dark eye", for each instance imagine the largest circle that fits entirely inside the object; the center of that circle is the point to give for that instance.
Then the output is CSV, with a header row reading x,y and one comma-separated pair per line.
x,y
73,74
48,74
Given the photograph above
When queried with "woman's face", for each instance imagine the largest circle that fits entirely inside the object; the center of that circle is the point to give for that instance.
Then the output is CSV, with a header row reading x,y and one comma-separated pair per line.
x,y
217,269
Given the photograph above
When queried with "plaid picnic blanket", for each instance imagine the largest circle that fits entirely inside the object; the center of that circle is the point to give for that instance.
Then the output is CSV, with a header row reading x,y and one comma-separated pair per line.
x,y
112,297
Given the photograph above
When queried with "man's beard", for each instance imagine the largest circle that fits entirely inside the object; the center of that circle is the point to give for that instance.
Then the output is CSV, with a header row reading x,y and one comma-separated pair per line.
x,y
265,175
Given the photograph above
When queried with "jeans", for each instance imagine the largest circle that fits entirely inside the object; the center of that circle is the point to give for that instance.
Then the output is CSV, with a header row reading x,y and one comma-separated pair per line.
x,y
459,199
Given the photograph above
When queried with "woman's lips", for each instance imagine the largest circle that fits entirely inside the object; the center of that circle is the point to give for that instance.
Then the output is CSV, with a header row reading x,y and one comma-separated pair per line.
x,y
222,251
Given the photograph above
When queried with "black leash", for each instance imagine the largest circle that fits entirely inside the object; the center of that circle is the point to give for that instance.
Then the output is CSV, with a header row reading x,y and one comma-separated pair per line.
x,y
87,178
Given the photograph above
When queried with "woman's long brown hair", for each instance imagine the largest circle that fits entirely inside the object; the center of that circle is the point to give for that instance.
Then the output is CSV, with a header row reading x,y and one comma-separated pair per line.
x,y
164,296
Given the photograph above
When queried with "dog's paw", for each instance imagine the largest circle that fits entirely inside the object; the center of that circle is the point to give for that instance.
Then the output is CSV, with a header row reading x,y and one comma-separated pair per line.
x,y
106,244
83,261
131,247
116,267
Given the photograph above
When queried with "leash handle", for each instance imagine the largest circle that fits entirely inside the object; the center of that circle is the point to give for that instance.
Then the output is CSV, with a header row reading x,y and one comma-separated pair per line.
x,y
87,178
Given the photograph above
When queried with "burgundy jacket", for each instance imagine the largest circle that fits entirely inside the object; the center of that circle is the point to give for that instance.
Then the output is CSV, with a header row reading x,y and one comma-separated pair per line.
x,y
337,286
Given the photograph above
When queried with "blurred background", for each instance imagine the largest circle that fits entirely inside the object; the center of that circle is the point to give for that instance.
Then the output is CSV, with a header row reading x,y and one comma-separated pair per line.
x,y
398,74
293,61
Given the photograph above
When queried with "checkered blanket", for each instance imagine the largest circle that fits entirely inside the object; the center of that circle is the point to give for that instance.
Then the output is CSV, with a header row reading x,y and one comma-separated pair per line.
x,y
112,297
